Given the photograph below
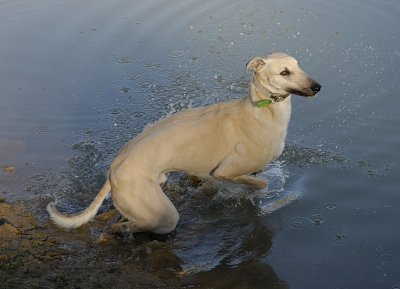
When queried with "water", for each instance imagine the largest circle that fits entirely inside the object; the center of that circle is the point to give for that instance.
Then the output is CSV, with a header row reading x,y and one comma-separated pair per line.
x,y
80,78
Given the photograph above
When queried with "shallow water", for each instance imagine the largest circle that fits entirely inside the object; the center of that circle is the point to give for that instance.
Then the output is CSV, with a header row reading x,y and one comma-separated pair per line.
x,y
80,78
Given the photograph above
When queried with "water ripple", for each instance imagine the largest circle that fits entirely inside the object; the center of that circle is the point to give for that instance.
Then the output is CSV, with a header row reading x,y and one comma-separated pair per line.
x,y
299,223
38,178
133,75
143,86
386,258
176,54
115,111
125,60
42,128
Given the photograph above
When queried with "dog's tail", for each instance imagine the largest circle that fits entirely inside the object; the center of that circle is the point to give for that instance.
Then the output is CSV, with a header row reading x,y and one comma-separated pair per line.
x,y
77,220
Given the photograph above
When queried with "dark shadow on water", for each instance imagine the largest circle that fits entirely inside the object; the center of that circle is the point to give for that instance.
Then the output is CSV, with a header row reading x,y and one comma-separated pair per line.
x,y
232,247
248,275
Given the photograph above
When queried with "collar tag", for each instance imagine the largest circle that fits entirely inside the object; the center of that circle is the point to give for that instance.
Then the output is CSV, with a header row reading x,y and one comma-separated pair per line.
x,y
263,103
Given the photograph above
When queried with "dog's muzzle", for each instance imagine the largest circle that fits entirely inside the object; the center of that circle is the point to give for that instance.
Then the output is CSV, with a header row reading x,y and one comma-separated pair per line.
x,y
309,91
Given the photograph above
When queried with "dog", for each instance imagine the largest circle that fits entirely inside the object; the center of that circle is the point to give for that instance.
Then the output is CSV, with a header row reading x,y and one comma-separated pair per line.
x,y
228,141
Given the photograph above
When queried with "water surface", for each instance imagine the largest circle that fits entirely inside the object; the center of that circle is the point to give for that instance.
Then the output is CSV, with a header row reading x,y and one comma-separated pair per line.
x,y
80,78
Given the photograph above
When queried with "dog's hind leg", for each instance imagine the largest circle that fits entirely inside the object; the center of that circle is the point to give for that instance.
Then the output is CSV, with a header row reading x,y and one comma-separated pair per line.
x,y
158,225
124,227
146,208
134,227
104,217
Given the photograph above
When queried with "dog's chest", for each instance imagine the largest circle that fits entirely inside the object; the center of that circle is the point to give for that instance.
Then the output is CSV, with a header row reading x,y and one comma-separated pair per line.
x,y
275,129
273,147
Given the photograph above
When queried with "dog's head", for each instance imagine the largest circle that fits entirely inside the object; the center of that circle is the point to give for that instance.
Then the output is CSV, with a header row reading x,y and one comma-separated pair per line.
x,y
281,75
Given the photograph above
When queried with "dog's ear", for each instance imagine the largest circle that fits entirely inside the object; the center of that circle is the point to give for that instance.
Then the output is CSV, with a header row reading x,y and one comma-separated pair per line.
x,y
255,64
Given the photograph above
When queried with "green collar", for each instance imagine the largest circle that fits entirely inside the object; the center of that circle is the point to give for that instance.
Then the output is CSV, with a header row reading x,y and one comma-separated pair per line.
x,y
263,103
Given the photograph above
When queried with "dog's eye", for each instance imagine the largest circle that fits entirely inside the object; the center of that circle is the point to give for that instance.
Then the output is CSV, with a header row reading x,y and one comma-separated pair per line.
x,y
285,73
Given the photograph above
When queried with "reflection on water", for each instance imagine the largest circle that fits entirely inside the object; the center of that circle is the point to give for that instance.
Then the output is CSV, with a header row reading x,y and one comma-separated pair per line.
x,y
212,240
79,79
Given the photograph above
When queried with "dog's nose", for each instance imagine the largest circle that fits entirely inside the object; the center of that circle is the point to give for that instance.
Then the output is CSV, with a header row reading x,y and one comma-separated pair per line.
x,y
316,87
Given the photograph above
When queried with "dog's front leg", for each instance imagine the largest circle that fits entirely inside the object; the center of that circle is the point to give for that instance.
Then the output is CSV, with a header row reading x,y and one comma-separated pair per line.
x,y
231,169
250,181
245,179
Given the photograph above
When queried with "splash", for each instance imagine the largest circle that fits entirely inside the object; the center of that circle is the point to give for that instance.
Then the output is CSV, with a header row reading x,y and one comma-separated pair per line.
x,y
276,196
268,200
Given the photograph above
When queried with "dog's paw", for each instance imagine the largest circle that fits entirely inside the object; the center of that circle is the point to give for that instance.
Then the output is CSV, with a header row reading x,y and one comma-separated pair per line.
x,y
260,184
119,229
108,216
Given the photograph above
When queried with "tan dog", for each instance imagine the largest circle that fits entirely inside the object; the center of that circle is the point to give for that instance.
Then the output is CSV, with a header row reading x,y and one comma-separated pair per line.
x,y
227,141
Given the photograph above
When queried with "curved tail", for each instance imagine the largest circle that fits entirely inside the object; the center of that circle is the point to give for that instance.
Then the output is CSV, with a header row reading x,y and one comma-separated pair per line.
x,y
77,220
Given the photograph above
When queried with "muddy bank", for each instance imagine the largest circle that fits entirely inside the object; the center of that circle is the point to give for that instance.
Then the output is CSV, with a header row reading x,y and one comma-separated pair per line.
x,y
36,255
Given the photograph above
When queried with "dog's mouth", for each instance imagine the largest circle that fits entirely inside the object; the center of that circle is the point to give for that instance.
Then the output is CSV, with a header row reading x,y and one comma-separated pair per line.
x,y
304,93
308,92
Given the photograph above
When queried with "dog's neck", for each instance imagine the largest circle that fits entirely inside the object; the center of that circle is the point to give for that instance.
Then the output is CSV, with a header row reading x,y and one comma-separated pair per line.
x,y
266,96
278,108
